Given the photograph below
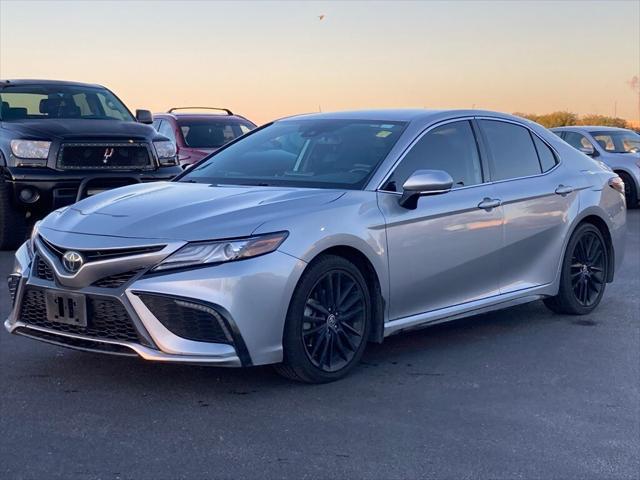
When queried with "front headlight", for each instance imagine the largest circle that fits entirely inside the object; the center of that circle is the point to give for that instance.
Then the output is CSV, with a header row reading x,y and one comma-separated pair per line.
x,y
31,247
166,151
208,253
30,148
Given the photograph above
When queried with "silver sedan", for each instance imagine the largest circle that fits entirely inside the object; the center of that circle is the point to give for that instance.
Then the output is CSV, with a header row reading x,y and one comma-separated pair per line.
x,y
309,237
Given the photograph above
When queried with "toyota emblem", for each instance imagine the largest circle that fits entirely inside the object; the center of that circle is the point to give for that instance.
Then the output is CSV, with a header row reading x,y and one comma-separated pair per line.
x,y
72,261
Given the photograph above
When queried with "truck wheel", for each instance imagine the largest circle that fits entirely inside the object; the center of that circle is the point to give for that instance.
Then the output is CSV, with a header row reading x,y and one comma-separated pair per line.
x,y
13,224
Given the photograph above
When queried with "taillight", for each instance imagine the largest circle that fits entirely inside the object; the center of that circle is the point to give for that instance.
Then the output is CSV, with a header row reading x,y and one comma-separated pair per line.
x,y
617,184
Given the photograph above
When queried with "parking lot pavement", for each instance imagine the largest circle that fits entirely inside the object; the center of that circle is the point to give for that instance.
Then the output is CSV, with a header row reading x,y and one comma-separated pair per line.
x,y
520,393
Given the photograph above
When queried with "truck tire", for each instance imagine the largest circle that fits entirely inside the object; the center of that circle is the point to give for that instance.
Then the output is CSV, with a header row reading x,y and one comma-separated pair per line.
x,y
13,223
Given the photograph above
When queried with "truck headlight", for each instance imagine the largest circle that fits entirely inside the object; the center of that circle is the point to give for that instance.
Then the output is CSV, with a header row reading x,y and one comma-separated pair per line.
x,y
222,251
34,149
166,151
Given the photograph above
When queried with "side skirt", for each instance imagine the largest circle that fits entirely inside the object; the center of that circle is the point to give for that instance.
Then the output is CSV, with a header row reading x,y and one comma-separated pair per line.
x,y
469,309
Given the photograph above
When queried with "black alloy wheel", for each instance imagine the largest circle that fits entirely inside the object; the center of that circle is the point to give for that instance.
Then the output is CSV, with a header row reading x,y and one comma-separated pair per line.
x,y
584,275
588,269
334,320
328,322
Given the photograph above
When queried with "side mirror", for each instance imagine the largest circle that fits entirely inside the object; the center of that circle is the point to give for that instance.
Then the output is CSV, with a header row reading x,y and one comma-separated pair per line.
x,y
422,183
592,152
144,116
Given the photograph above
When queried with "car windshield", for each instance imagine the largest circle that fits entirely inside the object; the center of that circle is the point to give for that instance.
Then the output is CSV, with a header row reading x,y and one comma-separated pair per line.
x,y
211,134
618,141
303,153
43,102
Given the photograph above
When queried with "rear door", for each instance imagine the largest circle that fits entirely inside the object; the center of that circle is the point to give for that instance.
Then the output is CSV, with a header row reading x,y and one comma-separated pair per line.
x,y
446,251
537,196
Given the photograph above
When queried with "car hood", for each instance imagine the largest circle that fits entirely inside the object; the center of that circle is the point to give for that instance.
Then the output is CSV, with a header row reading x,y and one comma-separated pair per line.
x,y
184,211
63,129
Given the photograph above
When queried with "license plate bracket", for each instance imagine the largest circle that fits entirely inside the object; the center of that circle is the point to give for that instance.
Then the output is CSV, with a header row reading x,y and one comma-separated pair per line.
x,y
67,308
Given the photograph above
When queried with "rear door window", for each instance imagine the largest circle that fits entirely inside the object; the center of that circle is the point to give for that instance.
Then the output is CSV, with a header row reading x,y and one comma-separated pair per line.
x,y
577,140
512,150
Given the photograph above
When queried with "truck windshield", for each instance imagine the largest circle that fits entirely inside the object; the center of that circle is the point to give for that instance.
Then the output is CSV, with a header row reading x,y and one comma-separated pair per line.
x,y
326,153
25,102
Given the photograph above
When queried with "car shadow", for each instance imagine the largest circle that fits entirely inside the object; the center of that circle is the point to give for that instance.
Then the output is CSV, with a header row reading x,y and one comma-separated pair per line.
x,y
80,370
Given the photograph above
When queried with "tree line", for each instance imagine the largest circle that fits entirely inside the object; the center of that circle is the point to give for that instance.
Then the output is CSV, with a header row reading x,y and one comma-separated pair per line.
x,y
564,119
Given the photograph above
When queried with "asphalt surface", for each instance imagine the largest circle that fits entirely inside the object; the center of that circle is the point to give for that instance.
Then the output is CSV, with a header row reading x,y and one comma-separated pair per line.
x,y
521,393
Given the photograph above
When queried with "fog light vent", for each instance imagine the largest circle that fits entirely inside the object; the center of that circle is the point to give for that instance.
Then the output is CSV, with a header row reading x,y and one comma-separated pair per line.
x,y
190,320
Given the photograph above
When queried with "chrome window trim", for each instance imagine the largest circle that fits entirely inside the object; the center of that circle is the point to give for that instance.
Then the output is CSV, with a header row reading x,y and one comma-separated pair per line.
x,y
470,118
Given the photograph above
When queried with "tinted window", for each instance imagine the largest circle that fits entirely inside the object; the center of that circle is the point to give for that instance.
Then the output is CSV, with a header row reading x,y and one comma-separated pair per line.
x,y
451,147
577,140
547,158
512,150
60,101
618,141
206,134
324,153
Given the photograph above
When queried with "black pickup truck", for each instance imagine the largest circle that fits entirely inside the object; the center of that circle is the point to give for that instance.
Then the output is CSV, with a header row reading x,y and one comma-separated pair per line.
x,y
63,141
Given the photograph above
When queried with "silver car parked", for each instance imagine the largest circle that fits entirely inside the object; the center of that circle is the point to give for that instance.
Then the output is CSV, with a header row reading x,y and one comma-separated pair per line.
x,y
618,148
305,239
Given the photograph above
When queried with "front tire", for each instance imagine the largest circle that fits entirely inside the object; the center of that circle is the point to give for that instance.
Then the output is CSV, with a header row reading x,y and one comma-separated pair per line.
x,y
13,223
584,273
328,322
630,190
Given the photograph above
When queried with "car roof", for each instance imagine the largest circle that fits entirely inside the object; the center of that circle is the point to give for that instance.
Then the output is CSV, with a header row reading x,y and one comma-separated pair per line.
x,y
589,128
403,115
34,81
200,116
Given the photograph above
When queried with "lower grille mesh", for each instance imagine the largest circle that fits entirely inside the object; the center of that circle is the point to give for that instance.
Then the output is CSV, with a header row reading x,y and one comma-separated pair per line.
x,y
43,270
106,318
188,320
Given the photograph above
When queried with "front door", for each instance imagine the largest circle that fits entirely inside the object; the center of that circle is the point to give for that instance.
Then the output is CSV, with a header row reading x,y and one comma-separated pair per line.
x,y
446,251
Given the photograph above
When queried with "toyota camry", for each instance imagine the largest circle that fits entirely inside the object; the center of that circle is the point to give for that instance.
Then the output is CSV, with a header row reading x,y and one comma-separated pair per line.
x,y
307,238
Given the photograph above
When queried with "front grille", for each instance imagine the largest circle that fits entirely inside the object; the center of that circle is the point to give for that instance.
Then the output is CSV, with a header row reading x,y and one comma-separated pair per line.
x,y
78,343
43,270
13,282
188,320
117,280
106,318
104,156
104,254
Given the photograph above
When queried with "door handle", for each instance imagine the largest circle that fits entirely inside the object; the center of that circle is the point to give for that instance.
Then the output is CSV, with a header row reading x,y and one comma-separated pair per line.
x,y
564,190
489,203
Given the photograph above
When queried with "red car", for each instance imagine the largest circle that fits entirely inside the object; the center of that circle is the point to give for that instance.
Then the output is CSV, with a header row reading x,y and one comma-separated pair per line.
x,y
197,135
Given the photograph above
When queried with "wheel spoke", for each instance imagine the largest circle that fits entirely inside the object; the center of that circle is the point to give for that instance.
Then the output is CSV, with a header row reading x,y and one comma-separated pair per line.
x,y
345,294
349,315
350,344
351,303
314,331
312,303
351,329
325,349
342,349
330,300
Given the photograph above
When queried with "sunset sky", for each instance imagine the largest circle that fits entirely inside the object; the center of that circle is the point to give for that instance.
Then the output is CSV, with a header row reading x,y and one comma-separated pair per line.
x,y
270,59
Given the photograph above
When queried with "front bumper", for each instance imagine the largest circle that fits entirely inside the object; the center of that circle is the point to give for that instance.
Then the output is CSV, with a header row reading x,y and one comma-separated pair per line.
x,y
55,188
252,296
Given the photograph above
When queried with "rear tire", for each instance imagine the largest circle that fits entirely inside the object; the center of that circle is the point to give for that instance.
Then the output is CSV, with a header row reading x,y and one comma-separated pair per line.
x,y
584,273
13,223
630,190
328,322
